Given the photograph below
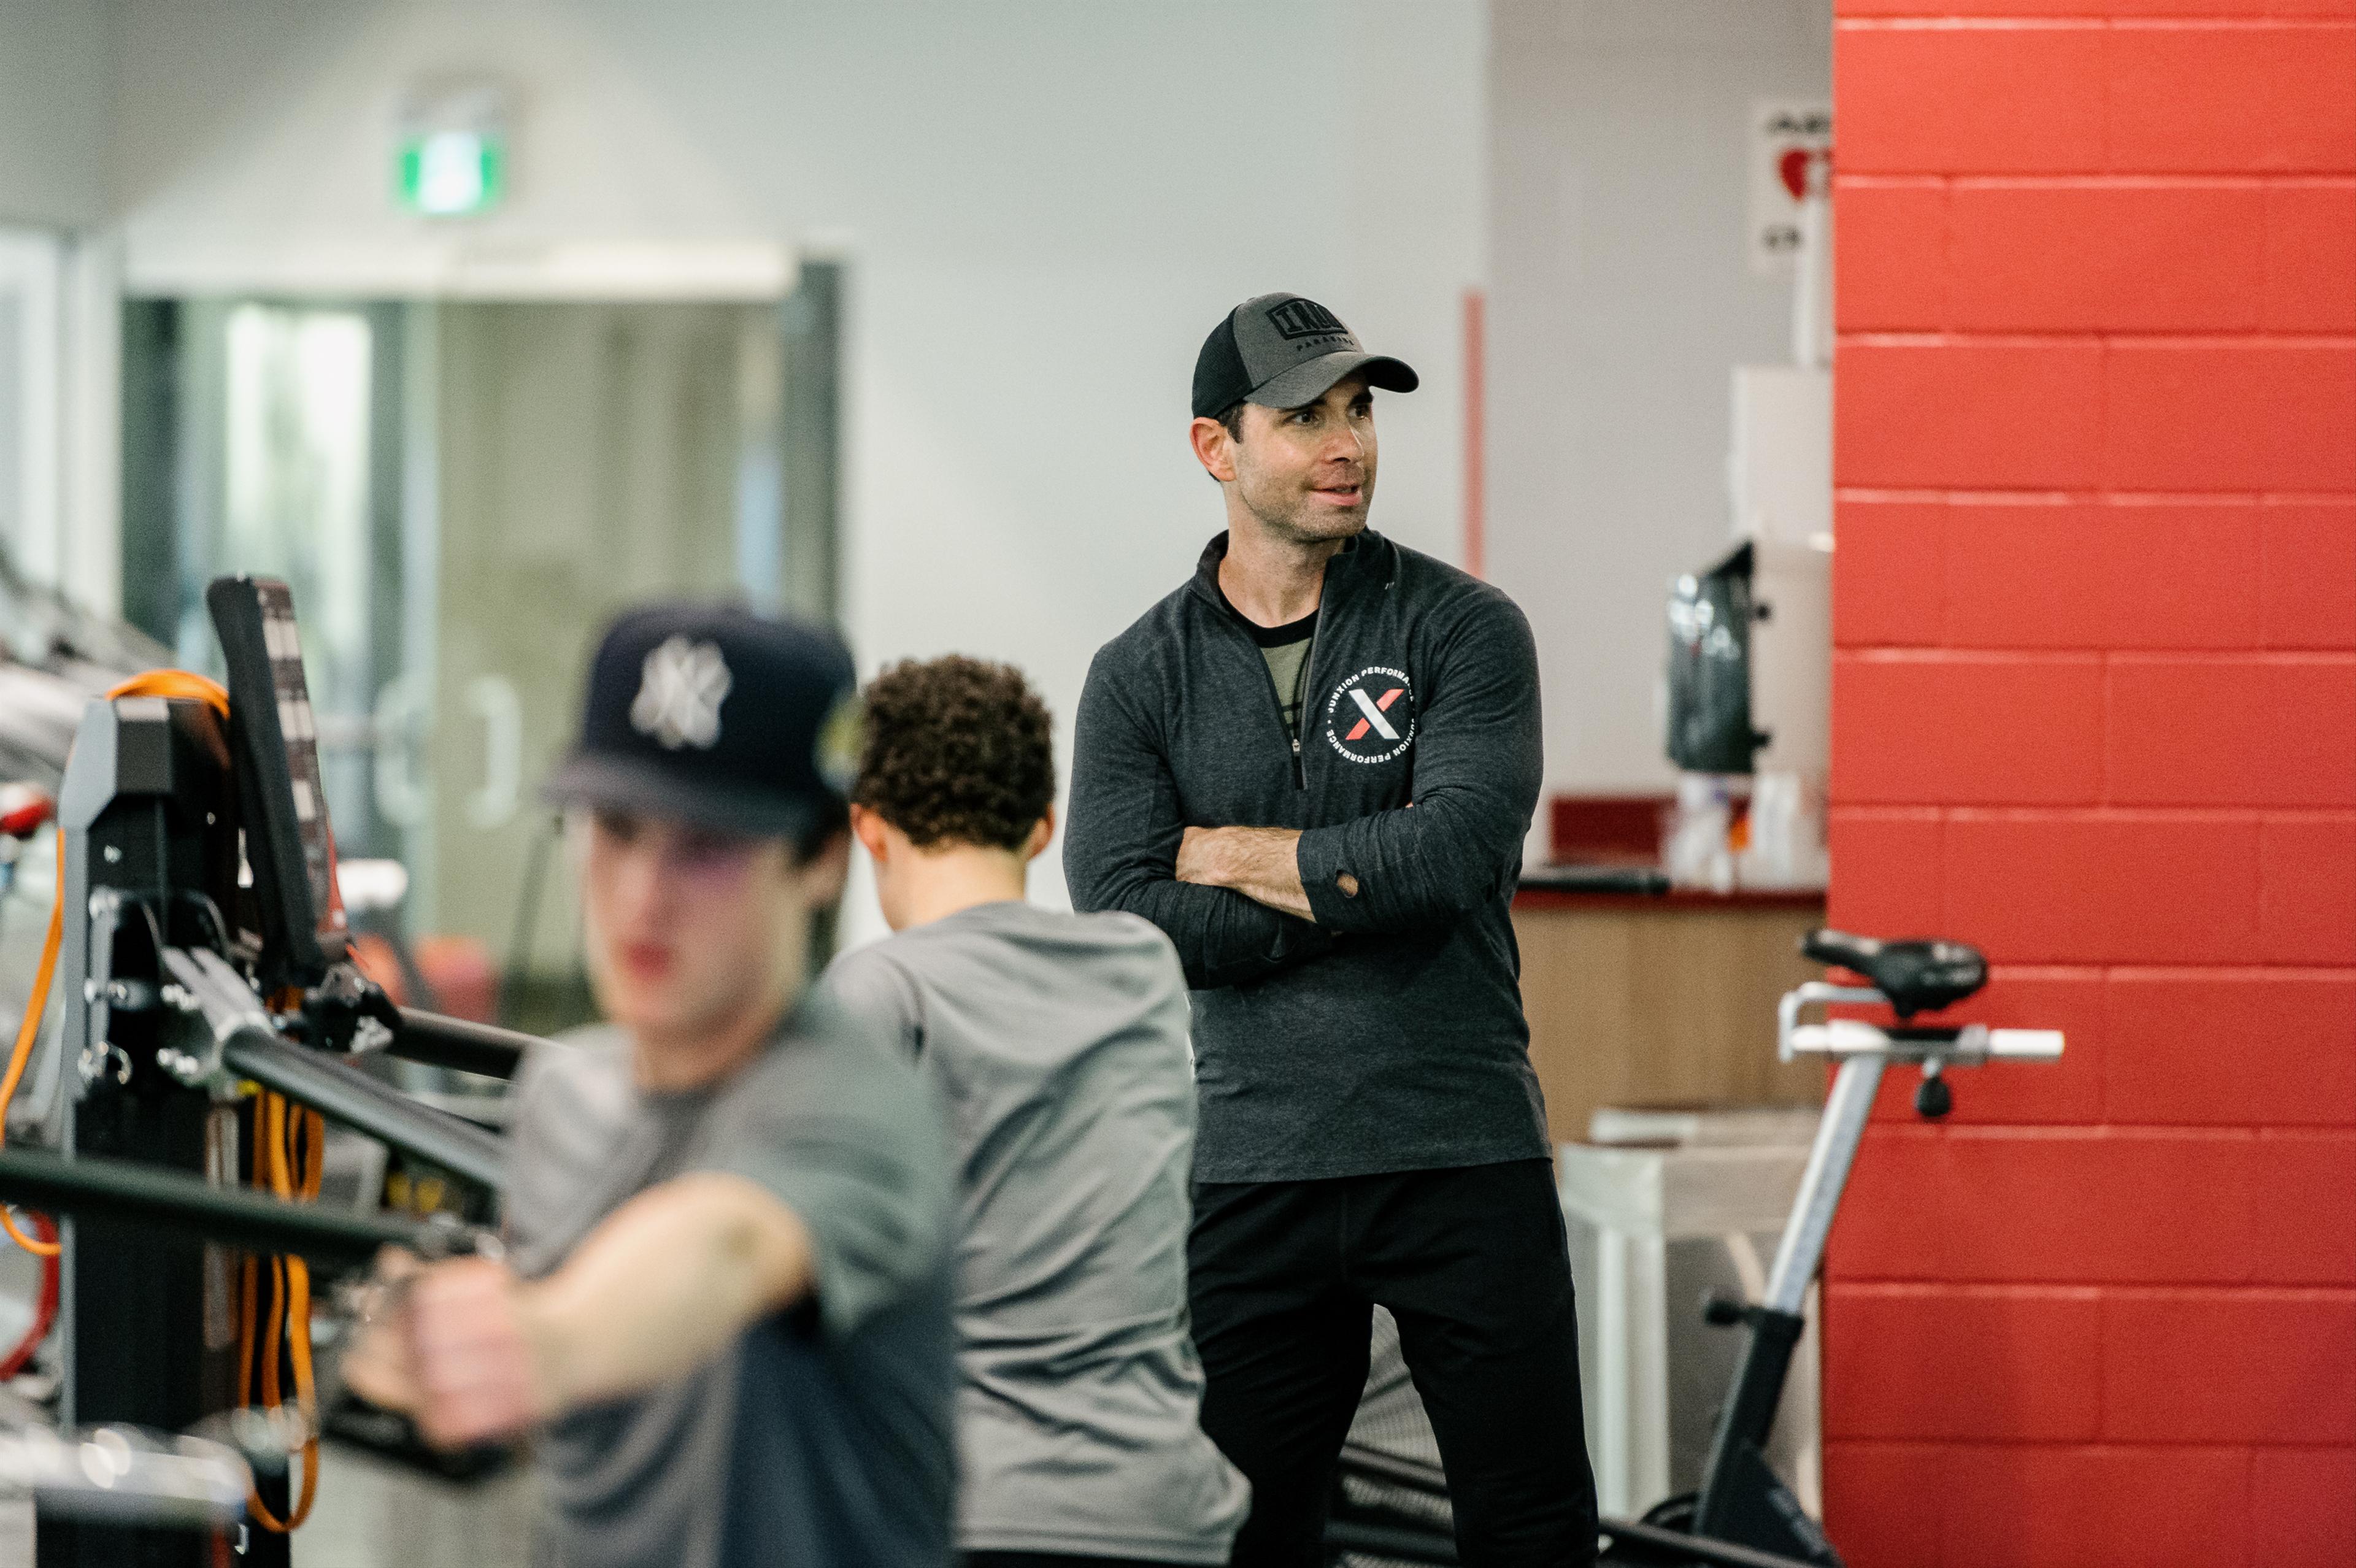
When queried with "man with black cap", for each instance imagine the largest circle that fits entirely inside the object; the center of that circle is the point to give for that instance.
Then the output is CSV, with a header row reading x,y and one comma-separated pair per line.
x,y
1312,766
727,1211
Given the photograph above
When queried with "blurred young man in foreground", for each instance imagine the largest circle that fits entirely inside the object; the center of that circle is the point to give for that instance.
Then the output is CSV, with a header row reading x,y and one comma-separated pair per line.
x,y
728,1308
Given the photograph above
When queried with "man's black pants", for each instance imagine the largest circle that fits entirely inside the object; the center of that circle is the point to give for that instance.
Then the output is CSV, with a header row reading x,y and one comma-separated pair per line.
x,y
1472,1264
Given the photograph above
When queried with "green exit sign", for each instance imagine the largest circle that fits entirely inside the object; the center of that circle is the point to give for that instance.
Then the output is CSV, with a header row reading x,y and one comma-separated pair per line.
x,y
451,172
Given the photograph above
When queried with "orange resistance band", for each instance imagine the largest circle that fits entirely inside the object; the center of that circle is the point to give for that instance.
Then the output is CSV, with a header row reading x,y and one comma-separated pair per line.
x,y
287,1170
27,1033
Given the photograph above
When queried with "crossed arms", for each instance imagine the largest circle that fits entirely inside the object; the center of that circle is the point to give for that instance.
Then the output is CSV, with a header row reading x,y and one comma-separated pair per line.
x,y
1263,864
1242,902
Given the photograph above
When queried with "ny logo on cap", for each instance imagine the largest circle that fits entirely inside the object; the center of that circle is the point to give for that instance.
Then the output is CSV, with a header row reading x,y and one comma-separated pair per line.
x,y
680,697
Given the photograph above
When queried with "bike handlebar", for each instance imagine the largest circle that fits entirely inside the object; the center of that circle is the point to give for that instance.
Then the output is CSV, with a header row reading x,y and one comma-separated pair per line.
x,y
1967,1046
1960,1045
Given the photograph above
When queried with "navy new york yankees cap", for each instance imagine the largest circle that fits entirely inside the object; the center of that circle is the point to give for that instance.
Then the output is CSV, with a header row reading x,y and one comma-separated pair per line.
x,y
712,715
1284,351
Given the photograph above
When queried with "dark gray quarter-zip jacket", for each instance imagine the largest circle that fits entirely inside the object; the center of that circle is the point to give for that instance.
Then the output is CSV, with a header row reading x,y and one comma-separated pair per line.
x,y
1386,1034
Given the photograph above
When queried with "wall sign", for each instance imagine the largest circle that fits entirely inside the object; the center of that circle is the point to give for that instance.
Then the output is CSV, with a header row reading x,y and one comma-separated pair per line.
x,y
1786,136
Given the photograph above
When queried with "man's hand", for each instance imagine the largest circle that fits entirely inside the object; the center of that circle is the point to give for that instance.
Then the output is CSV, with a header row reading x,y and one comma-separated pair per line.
x,y
656,1289
1261,863
463,1354
378,1366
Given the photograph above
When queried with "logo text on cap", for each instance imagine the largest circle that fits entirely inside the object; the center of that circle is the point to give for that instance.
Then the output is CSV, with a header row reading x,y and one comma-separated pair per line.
x,y
679,694
1304,318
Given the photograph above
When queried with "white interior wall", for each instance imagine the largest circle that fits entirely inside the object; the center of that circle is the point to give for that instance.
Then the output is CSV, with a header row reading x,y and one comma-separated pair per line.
x,y
1045,207
1621,296
57,343
55,101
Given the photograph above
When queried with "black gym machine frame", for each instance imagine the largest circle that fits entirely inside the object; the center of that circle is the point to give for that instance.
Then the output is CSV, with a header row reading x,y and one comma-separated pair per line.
x,y
202,955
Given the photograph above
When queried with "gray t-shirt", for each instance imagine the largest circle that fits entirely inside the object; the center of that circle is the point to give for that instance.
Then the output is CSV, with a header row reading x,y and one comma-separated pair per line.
x,y
822,1438
1058,1044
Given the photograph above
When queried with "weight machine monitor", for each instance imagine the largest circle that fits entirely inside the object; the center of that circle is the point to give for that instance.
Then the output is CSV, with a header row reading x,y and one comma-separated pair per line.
x,y
275,738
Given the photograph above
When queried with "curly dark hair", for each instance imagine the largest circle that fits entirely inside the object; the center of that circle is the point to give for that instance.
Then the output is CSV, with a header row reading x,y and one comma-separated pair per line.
x,y
957,749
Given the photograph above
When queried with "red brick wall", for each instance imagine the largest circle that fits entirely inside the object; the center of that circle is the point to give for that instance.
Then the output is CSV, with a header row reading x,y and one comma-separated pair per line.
x,y
2094,709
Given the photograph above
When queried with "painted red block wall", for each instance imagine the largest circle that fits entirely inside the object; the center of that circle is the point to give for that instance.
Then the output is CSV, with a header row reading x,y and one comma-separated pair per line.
x,y
2094,709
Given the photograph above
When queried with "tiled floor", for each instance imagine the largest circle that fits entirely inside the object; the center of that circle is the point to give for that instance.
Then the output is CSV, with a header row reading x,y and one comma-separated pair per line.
x,y
372,1515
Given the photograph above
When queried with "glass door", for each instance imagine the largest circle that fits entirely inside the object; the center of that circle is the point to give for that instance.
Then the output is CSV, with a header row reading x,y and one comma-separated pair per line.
x,y
462,495
588,459
259,438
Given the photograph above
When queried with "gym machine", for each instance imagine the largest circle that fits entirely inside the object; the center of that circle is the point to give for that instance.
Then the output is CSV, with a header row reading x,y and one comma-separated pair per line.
x,y
134,1490
1743,1516
209,1007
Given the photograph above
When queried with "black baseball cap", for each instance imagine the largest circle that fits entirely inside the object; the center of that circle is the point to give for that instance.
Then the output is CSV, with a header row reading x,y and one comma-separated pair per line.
x,y
711,714
1284,351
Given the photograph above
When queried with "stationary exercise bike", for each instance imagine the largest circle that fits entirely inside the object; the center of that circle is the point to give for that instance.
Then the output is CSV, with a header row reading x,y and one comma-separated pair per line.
x,y
1742,1500
1744,1513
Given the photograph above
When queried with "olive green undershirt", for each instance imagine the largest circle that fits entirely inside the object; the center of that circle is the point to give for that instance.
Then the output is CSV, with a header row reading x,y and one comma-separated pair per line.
x,y
1288,667
1287,649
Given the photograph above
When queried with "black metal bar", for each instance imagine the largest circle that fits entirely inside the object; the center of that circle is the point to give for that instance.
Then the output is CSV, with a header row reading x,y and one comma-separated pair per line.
x,y
1655,1543
1650,1541
349,1095
1770,1337
439,1040
1625,879
1397,1470
1632,1542
152,1199
1397,1543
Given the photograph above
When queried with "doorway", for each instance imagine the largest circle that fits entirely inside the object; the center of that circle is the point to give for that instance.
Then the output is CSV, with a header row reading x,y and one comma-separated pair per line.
x,y
461,493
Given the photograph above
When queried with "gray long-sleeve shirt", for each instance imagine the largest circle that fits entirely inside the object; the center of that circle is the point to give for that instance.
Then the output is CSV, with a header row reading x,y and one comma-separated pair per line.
x,y
1385,1033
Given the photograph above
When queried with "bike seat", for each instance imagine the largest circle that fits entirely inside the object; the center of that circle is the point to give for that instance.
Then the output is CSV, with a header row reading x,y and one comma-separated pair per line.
x,y
1917,976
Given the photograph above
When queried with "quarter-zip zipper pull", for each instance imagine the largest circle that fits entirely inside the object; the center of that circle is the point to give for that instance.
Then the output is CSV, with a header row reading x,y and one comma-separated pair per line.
x,y
1299,772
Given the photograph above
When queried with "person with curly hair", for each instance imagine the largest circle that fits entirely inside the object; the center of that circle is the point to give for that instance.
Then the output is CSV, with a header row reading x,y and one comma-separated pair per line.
x,y
1058,1044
